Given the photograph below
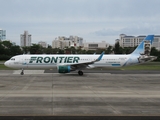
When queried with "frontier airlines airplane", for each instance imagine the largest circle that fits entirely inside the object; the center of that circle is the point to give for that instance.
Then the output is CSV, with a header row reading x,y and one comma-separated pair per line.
x,y
67,63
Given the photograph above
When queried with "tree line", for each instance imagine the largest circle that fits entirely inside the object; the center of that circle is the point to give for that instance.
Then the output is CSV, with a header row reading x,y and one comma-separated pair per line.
x,y
7,50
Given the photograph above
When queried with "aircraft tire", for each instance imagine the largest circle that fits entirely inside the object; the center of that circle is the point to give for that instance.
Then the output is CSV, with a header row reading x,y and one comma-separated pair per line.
x,y
80,73
22,73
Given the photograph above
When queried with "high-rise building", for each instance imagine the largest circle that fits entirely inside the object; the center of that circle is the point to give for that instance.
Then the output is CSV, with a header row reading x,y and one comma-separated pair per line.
x,y
25,39
2,34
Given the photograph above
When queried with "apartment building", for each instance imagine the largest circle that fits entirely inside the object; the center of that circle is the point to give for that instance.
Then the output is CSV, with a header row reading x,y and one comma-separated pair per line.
x,y
25,39
72,41
133,41
2,34
43,44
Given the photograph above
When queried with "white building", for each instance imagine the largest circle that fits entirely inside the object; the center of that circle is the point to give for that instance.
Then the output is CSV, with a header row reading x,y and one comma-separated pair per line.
x,y
25,39
62,42
132,41
43,44
156,42
2,34
95,45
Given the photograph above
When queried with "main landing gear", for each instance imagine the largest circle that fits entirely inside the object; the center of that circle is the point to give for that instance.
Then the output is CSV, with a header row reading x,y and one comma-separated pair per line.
x,y
80,72
22,72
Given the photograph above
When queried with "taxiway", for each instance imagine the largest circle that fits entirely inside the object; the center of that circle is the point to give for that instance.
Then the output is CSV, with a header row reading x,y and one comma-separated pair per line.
x,y
97,94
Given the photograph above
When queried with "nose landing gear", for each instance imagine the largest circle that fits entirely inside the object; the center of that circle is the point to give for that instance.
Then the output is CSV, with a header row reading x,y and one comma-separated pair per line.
x,y
22,72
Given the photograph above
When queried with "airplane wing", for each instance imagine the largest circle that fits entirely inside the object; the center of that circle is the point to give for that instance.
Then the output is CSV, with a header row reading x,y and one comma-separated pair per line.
x,y
83,64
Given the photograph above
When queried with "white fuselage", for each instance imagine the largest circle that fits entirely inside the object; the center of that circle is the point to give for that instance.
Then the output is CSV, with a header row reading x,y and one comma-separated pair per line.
x,y
50,61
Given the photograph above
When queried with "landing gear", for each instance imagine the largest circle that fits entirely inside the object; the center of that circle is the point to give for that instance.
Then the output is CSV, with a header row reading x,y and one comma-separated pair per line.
x,y
80,72
22,73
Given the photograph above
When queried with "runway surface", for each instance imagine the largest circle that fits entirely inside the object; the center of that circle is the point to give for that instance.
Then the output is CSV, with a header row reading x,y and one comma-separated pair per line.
x,y
97,94
111,71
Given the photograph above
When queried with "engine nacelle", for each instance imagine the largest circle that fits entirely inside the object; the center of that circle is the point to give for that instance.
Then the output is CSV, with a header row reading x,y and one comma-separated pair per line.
x,y
64,69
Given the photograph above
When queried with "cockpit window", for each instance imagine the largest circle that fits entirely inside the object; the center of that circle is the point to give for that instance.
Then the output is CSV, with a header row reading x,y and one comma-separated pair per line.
x,y
12,58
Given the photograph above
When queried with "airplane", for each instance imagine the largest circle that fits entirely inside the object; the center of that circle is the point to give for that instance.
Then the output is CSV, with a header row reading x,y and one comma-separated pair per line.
x,y
68,63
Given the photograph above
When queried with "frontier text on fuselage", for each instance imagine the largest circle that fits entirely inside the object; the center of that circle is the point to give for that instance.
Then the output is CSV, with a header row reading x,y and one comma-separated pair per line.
x,y
54,59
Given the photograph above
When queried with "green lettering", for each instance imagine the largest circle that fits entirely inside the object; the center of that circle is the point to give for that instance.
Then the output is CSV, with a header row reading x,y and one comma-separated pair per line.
x,y
61,58
39,59
47,59
54,59
65,60
32,59
69,60
76,59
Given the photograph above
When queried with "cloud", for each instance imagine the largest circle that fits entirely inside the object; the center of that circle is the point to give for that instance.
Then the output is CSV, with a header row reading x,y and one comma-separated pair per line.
x,y
132,30
105,32
77,11
103,18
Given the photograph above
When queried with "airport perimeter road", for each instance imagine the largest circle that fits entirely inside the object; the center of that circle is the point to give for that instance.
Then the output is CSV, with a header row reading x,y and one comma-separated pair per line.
x,y
71,94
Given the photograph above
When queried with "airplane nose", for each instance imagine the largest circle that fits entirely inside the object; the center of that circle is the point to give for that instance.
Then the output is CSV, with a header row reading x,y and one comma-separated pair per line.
x,y
6,64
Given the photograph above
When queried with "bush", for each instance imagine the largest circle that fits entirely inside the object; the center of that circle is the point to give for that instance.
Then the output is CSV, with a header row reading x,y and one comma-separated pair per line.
x,y
5,57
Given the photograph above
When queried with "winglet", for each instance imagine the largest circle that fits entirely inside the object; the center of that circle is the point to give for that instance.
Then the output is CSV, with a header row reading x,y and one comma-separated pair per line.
x,y
100,57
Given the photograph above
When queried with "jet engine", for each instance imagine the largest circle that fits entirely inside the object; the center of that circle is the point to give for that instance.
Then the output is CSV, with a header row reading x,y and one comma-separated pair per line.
x,y
64,69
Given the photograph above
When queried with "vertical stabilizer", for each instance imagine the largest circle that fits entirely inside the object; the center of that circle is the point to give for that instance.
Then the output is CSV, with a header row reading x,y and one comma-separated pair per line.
x,y
145,46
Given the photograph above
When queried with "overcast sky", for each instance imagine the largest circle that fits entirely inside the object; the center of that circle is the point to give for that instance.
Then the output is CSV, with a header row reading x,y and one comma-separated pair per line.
x,y
93,20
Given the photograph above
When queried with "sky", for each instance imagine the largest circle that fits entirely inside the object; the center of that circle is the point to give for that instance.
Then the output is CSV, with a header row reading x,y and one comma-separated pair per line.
x,y
93,20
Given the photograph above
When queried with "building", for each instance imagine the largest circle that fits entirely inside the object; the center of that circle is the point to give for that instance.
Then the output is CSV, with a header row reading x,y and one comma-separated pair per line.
x,y
156,42
43,44
62,42
2,34
132,41
95,45
25,39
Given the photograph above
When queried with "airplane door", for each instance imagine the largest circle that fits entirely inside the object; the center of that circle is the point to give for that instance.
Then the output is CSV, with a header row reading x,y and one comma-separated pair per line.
x,y
23,61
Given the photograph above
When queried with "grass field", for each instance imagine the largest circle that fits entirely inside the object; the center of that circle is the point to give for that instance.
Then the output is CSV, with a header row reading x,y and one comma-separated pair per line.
x,y
2,67
143,67
146,66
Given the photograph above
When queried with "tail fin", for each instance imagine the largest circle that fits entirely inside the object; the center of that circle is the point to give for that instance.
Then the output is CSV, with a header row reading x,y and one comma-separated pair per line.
x,y
145,46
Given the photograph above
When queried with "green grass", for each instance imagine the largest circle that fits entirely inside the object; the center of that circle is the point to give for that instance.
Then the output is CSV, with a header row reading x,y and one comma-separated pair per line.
x,y
3,67
145,66
142,67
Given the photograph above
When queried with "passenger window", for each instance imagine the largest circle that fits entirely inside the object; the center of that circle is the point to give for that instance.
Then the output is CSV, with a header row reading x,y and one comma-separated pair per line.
x,y
12,58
